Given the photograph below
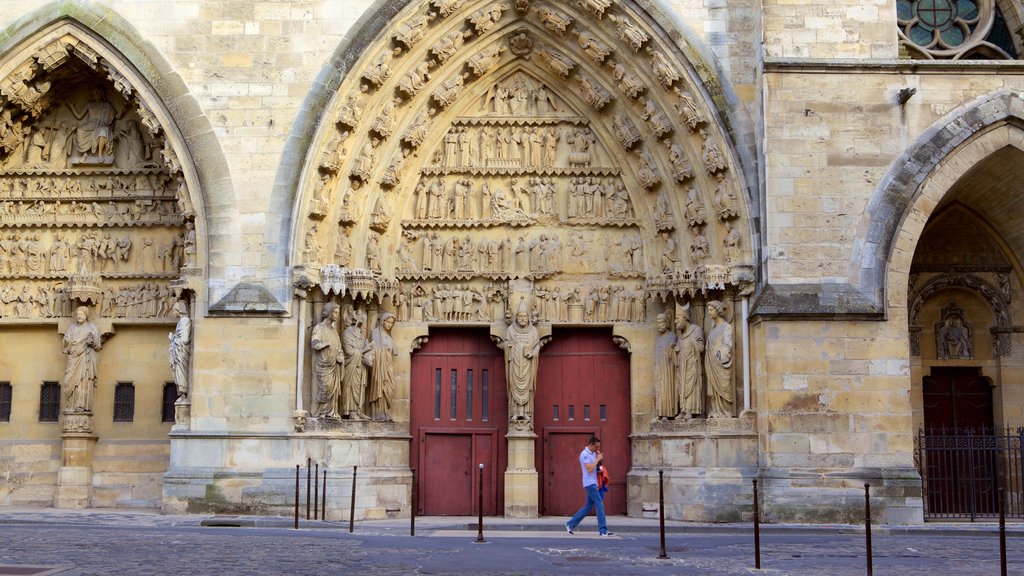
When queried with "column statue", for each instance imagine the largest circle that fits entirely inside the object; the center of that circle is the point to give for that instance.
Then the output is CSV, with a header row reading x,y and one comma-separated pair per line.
x,y
327,357
666,400
179,351
719,363
690,347
382,378
81,344
357,351
522,350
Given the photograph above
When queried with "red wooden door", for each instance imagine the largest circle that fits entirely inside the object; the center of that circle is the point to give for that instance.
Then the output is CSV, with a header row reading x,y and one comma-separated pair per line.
x,y
582,390
459,416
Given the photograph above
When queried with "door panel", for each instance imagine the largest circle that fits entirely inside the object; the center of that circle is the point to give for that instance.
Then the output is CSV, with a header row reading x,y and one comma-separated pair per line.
x,y
458,391
582,390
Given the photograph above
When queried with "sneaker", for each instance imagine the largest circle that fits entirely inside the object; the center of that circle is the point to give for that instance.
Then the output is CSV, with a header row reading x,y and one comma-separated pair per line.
x,y
569,530
607,533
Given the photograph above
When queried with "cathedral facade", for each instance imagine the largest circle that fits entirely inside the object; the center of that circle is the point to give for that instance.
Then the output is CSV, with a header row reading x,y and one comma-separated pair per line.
x,y
433,246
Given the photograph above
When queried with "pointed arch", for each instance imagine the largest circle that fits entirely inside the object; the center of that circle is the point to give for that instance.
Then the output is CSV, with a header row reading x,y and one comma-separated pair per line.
x,y
704,73
917,181
164,102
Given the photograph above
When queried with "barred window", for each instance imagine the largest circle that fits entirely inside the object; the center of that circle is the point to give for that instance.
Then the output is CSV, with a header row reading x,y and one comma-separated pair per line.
x,y
49,402
170,396
6,397
124,402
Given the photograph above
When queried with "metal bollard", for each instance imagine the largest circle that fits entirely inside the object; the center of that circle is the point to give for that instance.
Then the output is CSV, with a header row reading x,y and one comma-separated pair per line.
x,y
867,524
309,471
316,492
323,501
757,528
480,511
296,496
661,512
352,506
412,507
1002,531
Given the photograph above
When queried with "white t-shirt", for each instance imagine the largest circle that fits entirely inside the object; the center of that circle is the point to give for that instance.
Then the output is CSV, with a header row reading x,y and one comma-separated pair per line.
x,y
588,457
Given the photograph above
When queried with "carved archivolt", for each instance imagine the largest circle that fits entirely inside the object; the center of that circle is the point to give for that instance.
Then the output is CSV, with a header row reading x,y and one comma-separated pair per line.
x,y
997,298
94,204
563,144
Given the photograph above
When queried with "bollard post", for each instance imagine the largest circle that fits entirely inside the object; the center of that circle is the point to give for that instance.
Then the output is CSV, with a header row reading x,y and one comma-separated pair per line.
x,y
757,528
296,496
1002,531
661,512
867,524
480,511
309,471
412,507
323,501
316,492
352,506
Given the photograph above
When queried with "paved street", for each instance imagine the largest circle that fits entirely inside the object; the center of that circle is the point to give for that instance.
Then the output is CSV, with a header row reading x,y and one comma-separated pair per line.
x,y
141,544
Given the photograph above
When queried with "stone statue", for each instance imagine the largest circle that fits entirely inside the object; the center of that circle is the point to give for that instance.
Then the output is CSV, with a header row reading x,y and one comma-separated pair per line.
x,y
179,351
719,363
93,139
357,351
953,339
629,32
666,401
327,357
81,344
382,375
522,349
690,347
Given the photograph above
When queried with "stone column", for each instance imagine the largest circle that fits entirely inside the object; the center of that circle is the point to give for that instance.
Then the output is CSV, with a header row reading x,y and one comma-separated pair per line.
x,y
522,487
74,478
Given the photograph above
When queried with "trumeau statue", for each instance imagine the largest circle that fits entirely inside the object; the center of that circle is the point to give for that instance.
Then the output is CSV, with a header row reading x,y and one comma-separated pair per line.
x,y
522,351
719,364
382,371
690,347
179,351
326,363
666,400
81,345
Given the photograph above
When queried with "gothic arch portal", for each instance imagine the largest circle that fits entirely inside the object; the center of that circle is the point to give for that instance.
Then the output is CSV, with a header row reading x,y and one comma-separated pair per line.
x,y
586,124
92,37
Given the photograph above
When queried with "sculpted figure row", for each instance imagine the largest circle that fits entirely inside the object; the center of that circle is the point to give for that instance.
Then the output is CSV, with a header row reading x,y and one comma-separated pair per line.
x,y
83,185
498,147
683,360
93,251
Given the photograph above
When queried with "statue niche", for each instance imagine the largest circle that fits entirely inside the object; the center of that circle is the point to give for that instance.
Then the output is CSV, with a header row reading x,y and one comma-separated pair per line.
x,y
953,338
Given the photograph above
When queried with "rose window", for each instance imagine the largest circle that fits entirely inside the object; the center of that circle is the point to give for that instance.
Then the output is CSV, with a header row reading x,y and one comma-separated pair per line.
x,y
953,29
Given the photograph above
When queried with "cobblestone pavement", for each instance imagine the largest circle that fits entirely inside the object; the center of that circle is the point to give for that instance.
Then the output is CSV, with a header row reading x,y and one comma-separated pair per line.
x,y
143,544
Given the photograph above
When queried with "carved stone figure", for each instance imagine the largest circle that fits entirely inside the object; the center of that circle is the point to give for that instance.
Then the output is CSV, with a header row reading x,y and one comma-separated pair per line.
x,y
416,132
486,59
594,93
630,84
719,363
553,20
656,119
556,62
363,165
485,18
597,51
663,68
81,344
357,351
688,109
681,168
94,136
662,211
446,7
522,351
179,350
189,244
725,199
700,249
352,110
327,363
626,131
713,160
415,79
953,340
449,45
595,7
690,346
629,32
450,90
666,400
412,30
343,250
731,244
384,123
669,258
380,69
382,375
696,214
648,172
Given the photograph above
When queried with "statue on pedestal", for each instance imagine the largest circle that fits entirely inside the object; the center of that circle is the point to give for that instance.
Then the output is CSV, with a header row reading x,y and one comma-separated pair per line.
x,y
327,356
81,344
690,347
522,350
666,400
719,363
382,371
179,352
358,355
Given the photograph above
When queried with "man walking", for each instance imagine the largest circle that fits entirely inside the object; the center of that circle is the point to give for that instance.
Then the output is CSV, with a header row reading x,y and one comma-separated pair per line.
x,y
590,459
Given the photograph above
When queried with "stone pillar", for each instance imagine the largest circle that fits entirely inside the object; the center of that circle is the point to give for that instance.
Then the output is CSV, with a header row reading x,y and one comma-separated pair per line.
x,y
74,478
522,497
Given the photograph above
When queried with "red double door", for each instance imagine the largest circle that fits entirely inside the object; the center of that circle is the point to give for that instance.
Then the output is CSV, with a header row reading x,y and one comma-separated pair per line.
x,y
460,419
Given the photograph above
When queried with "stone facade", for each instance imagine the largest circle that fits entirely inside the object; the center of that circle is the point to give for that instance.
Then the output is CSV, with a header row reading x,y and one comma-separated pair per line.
x,y
525,171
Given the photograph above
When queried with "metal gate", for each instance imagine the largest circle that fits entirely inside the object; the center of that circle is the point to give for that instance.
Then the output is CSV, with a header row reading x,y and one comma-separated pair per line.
x,y
962,471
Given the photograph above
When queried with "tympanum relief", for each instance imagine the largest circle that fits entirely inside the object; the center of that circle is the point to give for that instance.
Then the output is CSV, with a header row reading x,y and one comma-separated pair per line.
x,y
89,188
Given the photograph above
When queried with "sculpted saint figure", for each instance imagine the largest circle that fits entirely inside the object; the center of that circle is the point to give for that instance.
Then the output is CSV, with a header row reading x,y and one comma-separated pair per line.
x,y
94,134
382,379
690,347
178,350
81,344
953,339
327,358
719,363
522,349
666,401
356,348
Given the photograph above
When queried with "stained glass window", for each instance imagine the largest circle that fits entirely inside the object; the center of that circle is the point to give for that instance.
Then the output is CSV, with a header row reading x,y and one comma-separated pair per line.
x,y
954,29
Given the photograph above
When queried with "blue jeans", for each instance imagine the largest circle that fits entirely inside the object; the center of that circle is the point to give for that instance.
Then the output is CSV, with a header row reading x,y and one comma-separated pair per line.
x,y
593,501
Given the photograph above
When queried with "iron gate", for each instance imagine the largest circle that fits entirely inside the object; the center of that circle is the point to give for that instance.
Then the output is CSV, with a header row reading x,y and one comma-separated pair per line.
x,y
962,471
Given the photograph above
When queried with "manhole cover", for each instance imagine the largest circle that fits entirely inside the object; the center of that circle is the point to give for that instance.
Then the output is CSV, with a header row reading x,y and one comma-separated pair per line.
x,y
26,570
